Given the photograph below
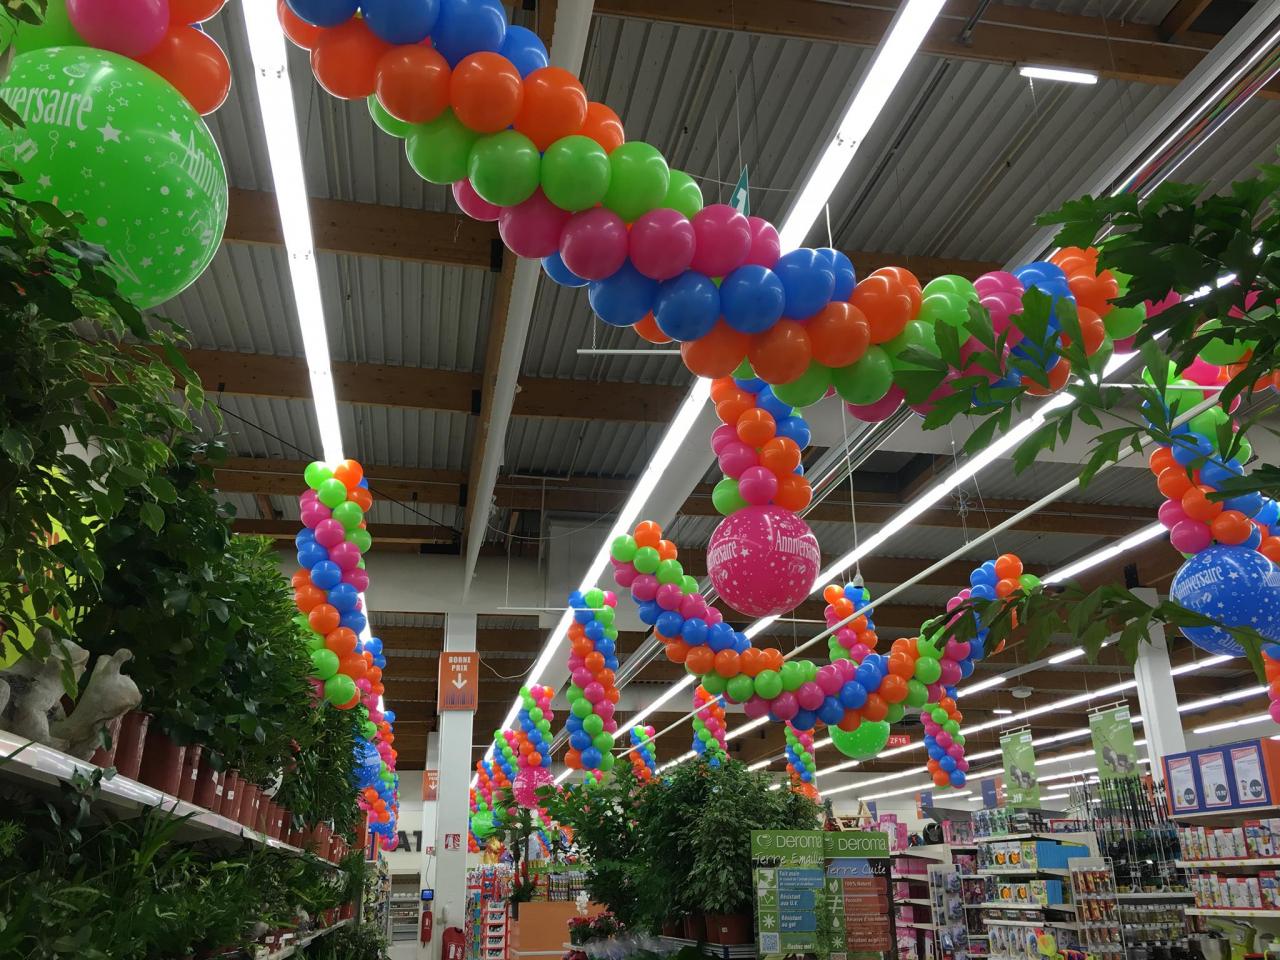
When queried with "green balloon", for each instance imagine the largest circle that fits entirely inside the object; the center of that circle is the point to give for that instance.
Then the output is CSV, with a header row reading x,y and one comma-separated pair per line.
x,y
607,761
951,726
1206,424
1222,351
917,333
944,307
739,688
1123,322
339,689
348,513
55,31
864,742
917,693
332,492
482,825
928,670
958,738
573,694
638,181
808,388
605,616
744,371
808,670
624,548
594,598
726,498
792,675
593,724
685,196
314,641
1245,452
361,538
315,474
1029,581
581,708
440,150
324,664
939,715
714,684
602,742
575,173
385,121
535,714
895,713
504,168
688,584
670,571
952,285
866,381
368,729
647,560
107,138
768,684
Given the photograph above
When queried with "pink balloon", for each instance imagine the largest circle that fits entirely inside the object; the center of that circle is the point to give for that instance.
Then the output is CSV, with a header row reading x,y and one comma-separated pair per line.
x,y
957,650
594,692
604,709
846,637
756,707
881,409
935,692
830,679
693,605
955,752
950,672
944,739
644,588
763,560
662,244
594,244
330,533
307,496
532,229
714,616
848,669
472,204
624,575
784,706
953,603
765,245
810,695
364,685
583,677
737,458
312,518
357,578
722,435
757,485
1171,513
859,652
724,240
528,780
1126,345
1155,308
575,662
345,555
610,599
669,596
1191,536
964,594
962,766
132,28
1274,709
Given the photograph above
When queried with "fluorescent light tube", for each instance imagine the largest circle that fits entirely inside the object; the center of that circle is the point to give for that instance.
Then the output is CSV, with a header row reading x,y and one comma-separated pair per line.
x,y
1060,74
1119,548
760,764
1228,724
1002,711
982,685
1071,654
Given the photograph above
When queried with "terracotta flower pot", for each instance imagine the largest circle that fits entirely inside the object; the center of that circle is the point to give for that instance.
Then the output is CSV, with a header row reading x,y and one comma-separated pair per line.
x,y
729,928
695,927
133,734
106,756
249,805
262,820
209,786
232,795
190,772
161,762
347,912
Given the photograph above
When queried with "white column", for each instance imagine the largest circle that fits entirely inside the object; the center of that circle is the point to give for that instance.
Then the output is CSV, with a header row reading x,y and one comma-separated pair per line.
x,y
453,758
1156,695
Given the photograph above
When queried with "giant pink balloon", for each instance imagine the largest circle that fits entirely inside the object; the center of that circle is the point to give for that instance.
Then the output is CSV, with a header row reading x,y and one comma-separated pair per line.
x,y
132,28
763,560
765,245
528,780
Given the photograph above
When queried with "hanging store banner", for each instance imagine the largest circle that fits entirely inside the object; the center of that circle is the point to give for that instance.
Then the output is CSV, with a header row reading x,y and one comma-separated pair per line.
x,y
1021,787
1113,747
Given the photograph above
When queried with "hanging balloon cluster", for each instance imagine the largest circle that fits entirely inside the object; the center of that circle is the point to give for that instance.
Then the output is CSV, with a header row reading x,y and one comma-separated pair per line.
x,y
592,695
328,586
644,761
708,727
534,718
801,762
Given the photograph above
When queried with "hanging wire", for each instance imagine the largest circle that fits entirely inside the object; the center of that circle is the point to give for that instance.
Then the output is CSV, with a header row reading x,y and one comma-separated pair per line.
x,y
853,495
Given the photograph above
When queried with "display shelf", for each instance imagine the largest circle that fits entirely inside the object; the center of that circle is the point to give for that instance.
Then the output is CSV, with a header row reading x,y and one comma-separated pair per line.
x,y
1232,813
1026,872
913,901
302,942
916,924
1156,895
1017,905
1230,912
1062,924
1066,837
1230,862
910,877
924,851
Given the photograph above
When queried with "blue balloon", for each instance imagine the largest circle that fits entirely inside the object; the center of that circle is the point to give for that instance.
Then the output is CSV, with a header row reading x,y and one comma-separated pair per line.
x,y
373,645
353,620
1191,448
623,299
804,719
752,299
936,752
868,676
1250,504
1234,585
853,695
594,630
324,13
605,646
982,591
846,278
687,306
574,722
525,50
957,778
694,631
380,662
1269,515
591,758
669,623
794,428
947,763
326,574
580,740
1255,539
966,668
649,611
344,597
766,400
305,535
808,282
310,554
400,21
753,385
465,27
553,266
611,663
389,716
830,712
741,642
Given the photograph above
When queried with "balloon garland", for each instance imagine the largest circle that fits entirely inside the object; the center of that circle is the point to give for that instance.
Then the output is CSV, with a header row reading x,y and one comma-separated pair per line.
x,y
328,587
644,762
801,762
491,776
593,658
534,719
708,727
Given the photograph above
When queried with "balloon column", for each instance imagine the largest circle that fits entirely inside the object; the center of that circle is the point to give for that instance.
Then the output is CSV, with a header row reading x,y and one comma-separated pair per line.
x,y
593,658
534,718
490,778
801,762
644,762
708,727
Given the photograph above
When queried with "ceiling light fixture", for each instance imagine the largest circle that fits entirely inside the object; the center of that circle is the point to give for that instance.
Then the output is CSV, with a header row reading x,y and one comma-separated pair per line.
x,y
1002,711
1228,724
1058,73
982,685
1119,548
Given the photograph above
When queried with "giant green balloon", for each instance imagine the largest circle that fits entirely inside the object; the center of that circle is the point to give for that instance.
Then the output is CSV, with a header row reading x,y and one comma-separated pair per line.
x,y
505,168
863,743
55,31
575,173
439,150
638,180
684,195
107,138
866,381
482,824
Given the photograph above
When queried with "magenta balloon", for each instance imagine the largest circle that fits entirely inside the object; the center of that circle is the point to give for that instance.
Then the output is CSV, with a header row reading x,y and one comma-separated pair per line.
x,y
669,596
604,709
721,437
363,685
765,245
583,677
964,594
1172,298
330,533
1191,536
713,616
662,244
1203,372
532,229
624,575
575,662
848,669
723,240
311,518
357,578
962,766
610,598
944,739
881,409
955,751
644,588
594,244
1171,513
473,205
810,695
953,603
593,691
846,637
345,555
763,560
859,652
957,650
736,458
757,485
935,692
1274,710
951,674
132,28
784,706
830,679
693,605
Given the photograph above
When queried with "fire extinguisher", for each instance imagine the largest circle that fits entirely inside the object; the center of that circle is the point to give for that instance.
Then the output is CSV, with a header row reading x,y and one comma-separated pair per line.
x,y
428,918
454,947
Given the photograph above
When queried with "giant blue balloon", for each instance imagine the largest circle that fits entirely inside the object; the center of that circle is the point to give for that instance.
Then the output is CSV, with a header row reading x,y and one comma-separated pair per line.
x,y
324,13
1234,585
554,268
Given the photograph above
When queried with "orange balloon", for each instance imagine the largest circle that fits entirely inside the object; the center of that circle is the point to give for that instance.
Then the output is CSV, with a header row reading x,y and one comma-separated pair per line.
x,y
1057,380
838,334
613,694
1272,668
941,778
361,497
782,456
649,330
603,126
782,353
947,704
851,720
885,303
730,410
869,639
412,83
677,650
373,673
193,62
301,578
750,661
700,660
301,33
594,661
324,618
717,353
555,106
1173,482
1197,505
605,677
193,11
893,689
648,534
902,665
353,667
1161,459
794,492
831,592
723,388
1006,587
1231,527
342,641
842,607
1008,566
485,92
667,550
535,759
573,759
726,664
756,427
1270,548
345,60
772,658
309,597
909,282
857,624
875,709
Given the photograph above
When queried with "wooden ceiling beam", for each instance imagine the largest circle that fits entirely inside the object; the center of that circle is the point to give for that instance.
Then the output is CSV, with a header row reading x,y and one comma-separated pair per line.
x,y
1179,20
